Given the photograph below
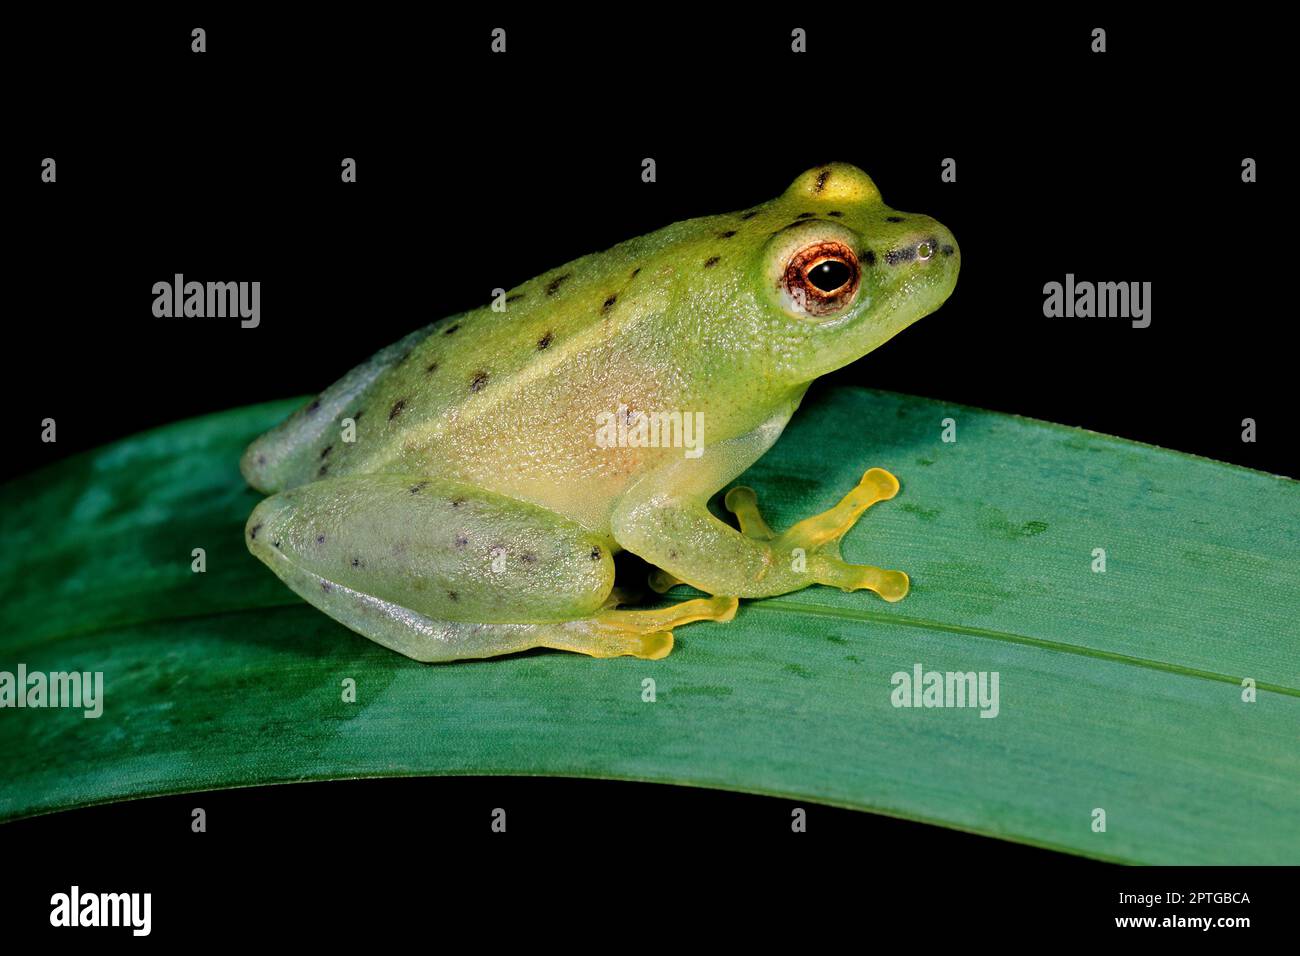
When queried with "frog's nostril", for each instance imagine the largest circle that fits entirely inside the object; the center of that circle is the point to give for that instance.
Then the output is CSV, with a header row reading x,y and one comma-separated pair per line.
x,y
921,248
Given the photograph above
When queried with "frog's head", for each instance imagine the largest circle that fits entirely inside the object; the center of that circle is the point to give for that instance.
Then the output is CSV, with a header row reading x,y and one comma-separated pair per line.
x,y
842,272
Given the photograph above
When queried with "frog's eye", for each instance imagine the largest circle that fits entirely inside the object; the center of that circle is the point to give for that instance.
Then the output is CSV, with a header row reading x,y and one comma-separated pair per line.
x,y
829,275
821,279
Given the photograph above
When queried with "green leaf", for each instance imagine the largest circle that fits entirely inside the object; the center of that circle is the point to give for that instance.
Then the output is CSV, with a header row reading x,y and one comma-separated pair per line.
x,y
1119,690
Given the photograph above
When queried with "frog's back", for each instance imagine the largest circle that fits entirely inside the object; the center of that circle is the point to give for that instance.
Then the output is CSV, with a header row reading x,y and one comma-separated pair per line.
x,y
457,397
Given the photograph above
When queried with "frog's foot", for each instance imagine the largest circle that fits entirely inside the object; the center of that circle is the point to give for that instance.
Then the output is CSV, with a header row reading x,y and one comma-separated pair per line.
x,y
644,634
817,539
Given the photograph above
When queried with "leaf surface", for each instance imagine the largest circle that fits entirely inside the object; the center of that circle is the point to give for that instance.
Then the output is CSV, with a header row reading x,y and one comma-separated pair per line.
x,y
1119,691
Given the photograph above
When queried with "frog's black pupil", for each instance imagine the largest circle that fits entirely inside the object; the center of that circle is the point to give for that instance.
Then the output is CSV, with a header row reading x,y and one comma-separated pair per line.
x,y
829,275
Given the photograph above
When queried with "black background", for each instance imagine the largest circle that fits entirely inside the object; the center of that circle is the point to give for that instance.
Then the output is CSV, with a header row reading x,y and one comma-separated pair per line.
x,y
479,171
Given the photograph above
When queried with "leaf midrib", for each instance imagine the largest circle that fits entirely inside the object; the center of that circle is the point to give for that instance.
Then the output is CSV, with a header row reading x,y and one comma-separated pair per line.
x,y
812,610
815,610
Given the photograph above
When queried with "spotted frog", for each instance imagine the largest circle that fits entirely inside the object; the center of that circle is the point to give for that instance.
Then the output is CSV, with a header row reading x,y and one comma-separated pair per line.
x,y
463,493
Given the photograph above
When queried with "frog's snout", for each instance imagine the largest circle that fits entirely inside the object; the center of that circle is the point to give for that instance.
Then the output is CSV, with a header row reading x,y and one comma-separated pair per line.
x,y
930,245
924,249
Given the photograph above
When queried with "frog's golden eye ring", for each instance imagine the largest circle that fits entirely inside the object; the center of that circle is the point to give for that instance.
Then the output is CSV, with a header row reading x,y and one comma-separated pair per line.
x,y
821,279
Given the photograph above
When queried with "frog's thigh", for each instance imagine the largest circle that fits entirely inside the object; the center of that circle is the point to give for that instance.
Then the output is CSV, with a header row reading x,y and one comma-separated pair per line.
x,y
435,569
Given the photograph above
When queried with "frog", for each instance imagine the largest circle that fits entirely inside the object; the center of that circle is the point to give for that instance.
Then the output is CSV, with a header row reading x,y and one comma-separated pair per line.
x,y
464,492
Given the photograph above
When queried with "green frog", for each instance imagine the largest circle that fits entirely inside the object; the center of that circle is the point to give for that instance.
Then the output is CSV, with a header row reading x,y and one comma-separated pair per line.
x,y
462,493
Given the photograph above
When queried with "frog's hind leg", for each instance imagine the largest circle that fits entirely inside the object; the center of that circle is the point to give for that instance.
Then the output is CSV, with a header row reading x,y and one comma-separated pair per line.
x,y
438,570
429,640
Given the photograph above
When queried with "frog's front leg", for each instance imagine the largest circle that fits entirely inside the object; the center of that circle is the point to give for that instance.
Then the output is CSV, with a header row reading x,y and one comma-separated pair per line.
x,y
675,531
439,570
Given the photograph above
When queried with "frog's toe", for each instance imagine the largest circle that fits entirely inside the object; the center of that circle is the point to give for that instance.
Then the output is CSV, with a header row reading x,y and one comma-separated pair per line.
x,y
661,581
743,503
655,646
640,633
821,530
591,637
890,585
720,608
